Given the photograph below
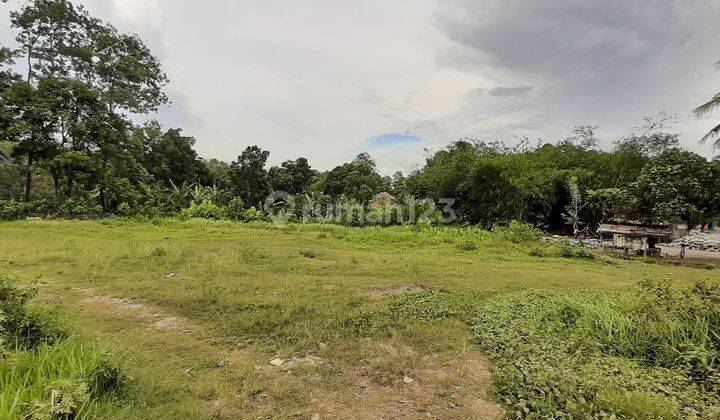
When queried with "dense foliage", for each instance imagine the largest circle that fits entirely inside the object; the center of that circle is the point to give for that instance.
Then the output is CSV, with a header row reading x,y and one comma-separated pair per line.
x,y
654,353
70,147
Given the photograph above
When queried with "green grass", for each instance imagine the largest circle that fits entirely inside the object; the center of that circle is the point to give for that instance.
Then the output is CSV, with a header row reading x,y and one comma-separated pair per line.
x,y
376,303
69,378
45,371
651,353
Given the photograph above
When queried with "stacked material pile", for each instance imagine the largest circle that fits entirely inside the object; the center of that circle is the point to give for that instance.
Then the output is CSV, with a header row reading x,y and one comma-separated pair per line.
x,y
702,241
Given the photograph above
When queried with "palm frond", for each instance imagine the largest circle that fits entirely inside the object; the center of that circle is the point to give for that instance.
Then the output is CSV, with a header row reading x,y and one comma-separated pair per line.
x,y
708,107
713,134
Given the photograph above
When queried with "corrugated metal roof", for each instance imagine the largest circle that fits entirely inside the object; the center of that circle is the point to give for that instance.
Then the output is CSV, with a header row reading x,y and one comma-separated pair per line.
x,y
634,230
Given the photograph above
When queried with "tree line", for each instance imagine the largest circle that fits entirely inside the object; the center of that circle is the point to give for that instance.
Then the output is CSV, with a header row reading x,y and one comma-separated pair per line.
x,y
71,91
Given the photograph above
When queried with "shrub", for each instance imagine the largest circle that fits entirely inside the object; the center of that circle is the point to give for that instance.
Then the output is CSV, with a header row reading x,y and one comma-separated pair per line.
x,y
572,251
206,210
124,209
45,374
73,208
653,353
253,215
519,232
19,326
60,381
12,210
539,251
235,209
468,246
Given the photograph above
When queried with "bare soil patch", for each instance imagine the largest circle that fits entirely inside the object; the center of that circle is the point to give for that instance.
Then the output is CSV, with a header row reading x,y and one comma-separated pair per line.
x,y
426,386
128,307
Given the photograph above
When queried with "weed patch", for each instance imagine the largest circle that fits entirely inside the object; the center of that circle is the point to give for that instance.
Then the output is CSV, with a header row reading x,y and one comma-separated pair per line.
x,y
653,353
411,307
44,373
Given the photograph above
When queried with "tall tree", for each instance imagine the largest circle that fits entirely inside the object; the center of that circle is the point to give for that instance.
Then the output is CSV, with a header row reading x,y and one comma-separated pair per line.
x,y
170,157
249,177
357,180
677,186
32,128
292,176
98,75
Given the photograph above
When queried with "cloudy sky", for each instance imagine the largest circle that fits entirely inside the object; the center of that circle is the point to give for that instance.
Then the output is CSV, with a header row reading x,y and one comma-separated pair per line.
x,y
329,79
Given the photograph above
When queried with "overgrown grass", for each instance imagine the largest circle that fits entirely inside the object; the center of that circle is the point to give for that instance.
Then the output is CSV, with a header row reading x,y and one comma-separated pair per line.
x,y
45,373
376,303
68,379
653,353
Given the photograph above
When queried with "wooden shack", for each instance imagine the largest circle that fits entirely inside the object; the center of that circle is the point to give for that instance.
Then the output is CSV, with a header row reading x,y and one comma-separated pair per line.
x,y
641,238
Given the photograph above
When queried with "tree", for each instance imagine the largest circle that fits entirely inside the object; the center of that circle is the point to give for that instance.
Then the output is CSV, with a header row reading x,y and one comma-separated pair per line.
x,y
92,76
675,187
576,205
292,176
249,177
398,185
357,180
169,156
218,173
32,128
583,136
707,108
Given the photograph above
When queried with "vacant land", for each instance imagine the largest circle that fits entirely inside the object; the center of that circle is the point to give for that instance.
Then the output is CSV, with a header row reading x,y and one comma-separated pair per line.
x,y
226,319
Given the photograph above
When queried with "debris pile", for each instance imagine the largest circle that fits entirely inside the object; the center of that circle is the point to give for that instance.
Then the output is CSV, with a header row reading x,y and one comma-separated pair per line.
x,y
588,243
701,241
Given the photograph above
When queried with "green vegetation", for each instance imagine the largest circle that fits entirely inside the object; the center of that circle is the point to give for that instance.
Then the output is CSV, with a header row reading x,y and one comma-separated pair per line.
x,y
202,306
381,309
45,373
651,353
68,148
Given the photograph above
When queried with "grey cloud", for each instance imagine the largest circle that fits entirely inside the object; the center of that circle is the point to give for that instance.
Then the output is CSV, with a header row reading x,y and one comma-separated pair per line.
x,y
369,97
605,61
509,92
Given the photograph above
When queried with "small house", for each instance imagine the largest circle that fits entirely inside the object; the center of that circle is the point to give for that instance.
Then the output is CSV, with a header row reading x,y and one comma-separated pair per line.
x,y
383,198
639,237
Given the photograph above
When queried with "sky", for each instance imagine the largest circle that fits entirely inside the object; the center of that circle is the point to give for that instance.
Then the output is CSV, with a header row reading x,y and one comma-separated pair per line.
x,y
329,79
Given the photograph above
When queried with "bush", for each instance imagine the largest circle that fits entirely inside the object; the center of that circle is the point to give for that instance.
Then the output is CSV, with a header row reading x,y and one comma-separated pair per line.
x,y
253,215
573,251
45,374
518,232
468,246
19,326
654,353
60,381
204,210
235,209
73,208
12,210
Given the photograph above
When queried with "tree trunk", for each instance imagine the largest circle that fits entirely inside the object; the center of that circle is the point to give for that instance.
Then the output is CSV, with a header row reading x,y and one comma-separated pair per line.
x,y
103,204
28,179
69,186
102,198
56,185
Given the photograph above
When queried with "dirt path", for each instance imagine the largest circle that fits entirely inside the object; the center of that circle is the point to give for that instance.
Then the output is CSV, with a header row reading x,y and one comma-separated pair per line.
x,y
178,355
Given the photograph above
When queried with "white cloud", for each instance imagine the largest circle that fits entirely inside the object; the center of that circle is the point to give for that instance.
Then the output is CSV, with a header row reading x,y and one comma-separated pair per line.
x,y
139,12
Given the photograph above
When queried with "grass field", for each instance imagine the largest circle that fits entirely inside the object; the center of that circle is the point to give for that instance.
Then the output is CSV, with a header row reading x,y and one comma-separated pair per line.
x,y
363,322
